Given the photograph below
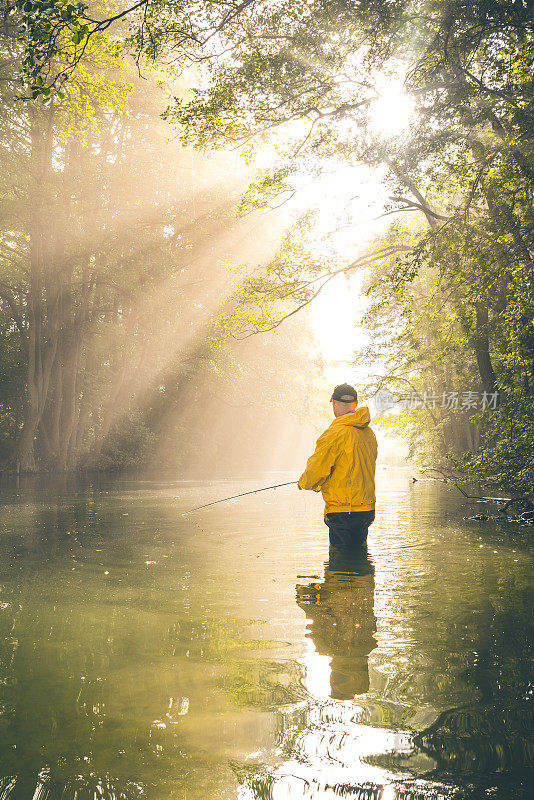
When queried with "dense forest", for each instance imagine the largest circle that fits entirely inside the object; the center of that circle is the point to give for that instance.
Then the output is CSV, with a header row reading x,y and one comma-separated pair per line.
x,y
124,290
115,245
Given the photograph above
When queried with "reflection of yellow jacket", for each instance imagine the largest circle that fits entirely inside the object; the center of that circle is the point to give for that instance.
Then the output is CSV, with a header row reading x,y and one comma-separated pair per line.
x,y
343,465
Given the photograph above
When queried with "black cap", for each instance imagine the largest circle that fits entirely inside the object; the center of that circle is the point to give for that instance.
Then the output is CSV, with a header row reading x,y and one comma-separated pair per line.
x,y
344,393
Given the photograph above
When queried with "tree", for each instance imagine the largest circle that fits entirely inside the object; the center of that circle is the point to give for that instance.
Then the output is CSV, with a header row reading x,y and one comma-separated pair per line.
x,y
467,70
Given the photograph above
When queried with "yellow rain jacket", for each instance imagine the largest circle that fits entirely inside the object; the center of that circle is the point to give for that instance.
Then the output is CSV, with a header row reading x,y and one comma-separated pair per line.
x,y
343,465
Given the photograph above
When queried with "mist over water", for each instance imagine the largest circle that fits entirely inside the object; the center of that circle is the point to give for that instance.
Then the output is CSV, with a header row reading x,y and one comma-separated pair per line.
x,y
228,653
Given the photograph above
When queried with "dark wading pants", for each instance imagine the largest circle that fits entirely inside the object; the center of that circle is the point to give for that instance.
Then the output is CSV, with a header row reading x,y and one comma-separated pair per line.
x,y
349,531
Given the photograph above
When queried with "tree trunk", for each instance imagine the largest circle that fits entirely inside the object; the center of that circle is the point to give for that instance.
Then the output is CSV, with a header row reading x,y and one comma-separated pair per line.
x,y
482,351
25,455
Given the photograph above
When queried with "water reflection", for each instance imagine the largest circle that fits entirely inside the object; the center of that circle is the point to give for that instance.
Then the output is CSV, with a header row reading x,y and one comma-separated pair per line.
x,y
342,623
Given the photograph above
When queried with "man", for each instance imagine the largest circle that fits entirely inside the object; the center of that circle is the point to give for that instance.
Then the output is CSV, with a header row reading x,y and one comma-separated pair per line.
x,y
343,468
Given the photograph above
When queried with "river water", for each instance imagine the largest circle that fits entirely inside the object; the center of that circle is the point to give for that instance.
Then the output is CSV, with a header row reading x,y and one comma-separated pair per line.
x,y
228,654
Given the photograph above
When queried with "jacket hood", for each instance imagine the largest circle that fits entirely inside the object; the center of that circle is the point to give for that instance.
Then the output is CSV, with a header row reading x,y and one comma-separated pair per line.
x,y
359,418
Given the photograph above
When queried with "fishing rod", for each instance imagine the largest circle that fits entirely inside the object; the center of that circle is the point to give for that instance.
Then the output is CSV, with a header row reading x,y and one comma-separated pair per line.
x,y
254,491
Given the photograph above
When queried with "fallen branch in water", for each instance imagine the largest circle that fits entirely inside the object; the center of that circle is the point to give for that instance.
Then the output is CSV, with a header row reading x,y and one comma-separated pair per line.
x,y
507,501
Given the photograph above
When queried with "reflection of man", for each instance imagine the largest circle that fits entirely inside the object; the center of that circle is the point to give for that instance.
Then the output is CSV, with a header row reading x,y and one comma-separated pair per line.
x,y
343,468
342,621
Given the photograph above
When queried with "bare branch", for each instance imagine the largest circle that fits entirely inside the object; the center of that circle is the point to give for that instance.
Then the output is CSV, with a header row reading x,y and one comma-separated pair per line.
x,y
363,261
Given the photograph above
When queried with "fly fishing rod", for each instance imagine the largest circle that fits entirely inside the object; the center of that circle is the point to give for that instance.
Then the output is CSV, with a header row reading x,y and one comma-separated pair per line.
x,y
254,491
